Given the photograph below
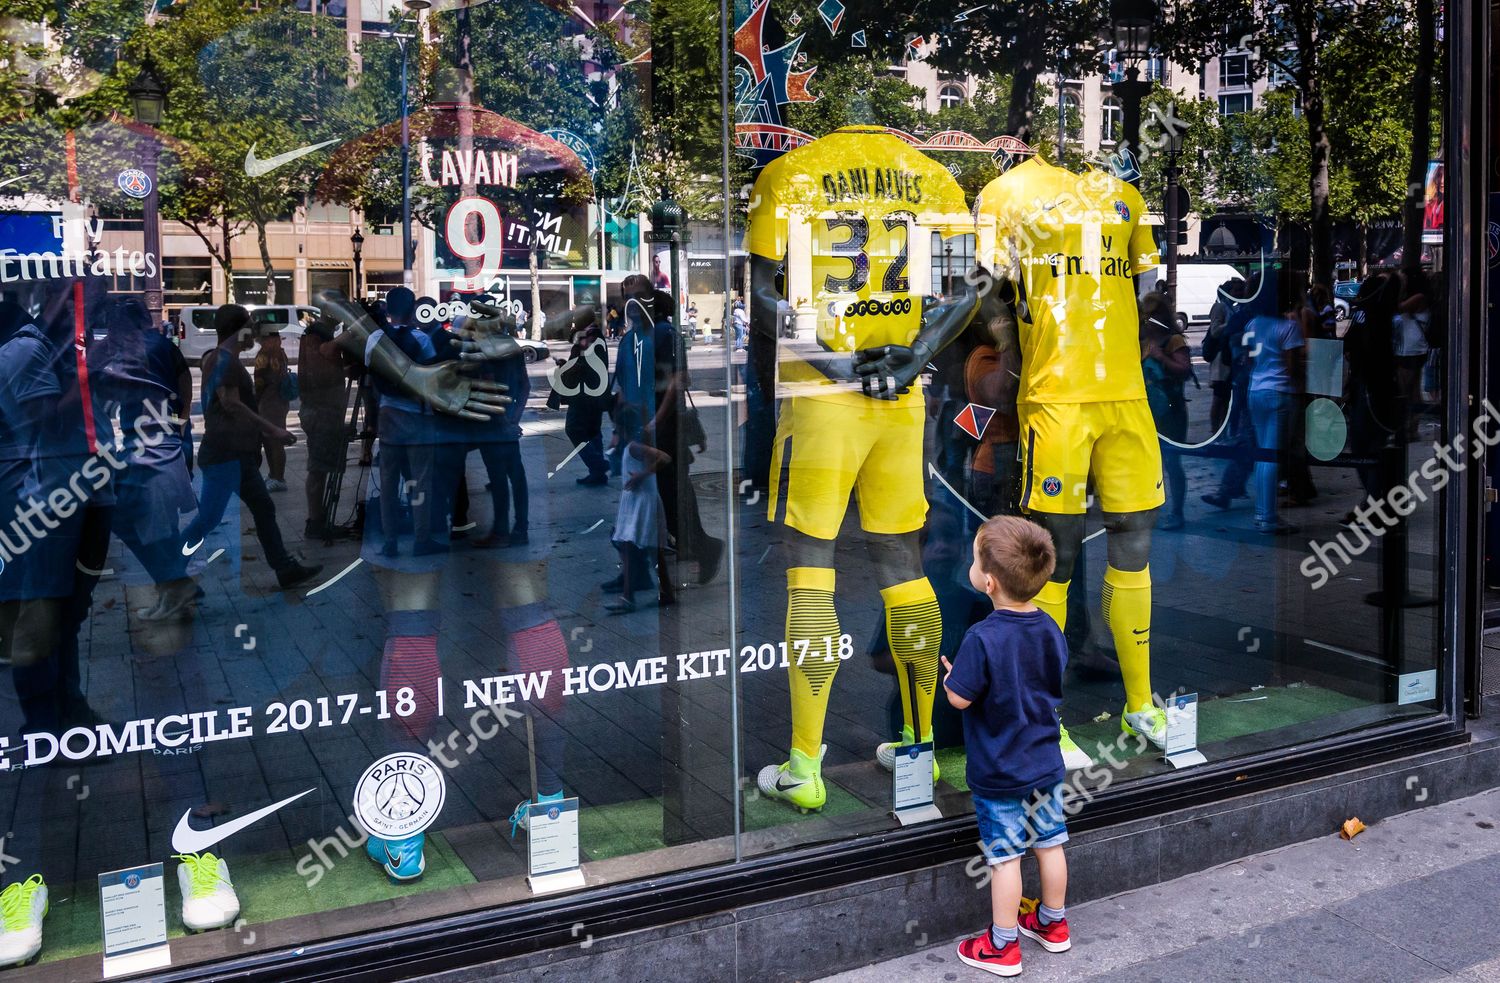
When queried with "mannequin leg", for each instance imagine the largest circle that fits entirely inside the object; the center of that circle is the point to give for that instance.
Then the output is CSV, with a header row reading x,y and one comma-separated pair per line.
x,y
914,628
1067,540
1127,600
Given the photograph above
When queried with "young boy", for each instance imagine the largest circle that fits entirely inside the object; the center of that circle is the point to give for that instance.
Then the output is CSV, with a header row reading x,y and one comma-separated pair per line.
x,y
1007,680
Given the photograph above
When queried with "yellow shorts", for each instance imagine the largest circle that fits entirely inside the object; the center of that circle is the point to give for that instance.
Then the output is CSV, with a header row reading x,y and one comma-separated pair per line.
x,y
1065,442
871,447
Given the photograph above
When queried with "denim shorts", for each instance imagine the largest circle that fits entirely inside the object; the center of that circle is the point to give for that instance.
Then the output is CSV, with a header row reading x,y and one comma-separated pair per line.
x,y
1009,827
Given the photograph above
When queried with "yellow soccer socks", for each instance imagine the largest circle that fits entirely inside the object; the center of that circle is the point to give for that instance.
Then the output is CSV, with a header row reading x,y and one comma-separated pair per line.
x,y
1126,600
914,628
1054,600
810,620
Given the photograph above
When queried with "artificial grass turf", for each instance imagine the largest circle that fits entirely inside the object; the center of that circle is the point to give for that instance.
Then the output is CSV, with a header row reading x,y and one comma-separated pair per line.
x,y
269,889
1218,720
623,828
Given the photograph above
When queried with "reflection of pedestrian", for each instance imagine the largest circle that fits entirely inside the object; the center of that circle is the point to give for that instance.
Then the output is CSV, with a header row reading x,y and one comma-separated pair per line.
x,y
498,440
273,392
323,398
741,324
585,378
1216,352
406,438
1413,318
54,431
1166,362
676,430
229,456
143,374
1240,301
1275,382
640,527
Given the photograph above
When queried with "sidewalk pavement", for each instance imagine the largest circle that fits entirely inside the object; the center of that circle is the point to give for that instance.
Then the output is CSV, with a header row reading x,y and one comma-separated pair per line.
x,y
1416,897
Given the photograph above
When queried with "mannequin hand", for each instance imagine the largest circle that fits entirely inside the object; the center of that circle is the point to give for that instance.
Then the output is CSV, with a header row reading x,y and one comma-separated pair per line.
x,y
484,338
890,370
447,388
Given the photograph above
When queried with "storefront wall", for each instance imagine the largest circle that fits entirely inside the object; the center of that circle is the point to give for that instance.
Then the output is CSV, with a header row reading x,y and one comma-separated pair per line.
x,y
659,617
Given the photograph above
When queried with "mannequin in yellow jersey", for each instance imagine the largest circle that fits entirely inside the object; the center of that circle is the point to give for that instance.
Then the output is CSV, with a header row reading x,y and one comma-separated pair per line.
x,y
851,216
1069,247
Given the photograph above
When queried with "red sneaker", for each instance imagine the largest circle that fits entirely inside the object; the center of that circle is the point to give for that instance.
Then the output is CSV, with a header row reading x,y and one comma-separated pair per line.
x,y
980,953
1053,936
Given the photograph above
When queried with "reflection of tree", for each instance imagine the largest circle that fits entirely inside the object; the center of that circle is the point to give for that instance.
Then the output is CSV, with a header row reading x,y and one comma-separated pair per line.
x,y
1020,39
1351,69
275,81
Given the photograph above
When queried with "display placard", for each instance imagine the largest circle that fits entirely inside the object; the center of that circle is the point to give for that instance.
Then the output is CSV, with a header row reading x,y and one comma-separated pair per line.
x,y
911,785
1182,731
133,913
552,846
1325,367
1416,687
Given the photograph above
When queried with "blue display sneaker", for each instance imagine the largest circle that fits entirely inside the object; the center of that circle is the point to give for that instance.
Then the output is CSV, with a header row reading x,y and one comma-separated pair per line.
x,y
402,859
521,818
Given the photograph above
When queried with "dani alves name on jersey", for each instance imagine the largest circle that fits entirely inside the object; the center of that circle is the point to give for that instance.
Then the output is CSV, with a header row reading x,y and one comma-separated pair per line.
x,y
872,183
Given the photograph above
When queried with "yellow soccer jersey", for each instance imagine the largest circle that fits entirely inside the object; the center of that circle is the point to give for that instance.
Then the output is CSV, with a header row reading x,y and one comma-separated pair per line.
x,y
852,215
1072,244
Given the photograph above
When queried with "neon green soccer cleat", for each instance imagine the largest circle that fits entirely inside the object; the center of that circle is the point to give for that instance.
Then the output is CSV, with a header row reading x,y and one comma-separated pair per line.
x,y
799,782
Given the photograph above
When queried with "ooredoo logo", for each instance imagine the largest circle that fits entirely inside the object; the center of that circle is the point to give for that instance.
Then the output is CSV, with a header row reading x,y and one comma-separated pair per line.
x,y
443,312
399,796
866,308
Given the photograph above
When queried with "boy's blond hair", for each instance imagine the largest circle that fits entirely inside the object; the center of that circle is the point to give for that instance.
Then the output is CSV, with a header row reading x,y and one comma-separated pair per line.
x,y
1017,553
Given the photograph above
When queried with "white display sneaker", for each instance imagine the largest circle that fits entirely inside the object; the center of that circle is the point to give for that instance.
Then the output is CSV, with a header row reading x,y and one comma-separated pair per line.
x,y
208,898
1074,757
23,905
1149,722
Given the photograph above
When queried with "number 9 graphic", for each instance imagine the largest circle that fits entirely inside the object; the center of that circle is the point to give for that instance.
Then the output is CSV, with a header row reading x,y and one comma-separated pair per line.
x,y
488,248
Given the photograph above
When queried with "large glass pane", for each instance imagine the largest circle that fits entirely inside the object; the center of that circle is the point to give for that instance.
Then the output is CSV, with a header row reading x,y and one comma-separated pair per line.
x,y
348,591
1171,311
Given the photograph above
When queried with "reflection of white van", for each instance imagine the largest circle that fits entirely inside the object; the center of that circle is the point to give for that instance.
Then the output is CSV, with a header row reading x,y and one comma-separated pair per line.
x,y
288,320
1197,289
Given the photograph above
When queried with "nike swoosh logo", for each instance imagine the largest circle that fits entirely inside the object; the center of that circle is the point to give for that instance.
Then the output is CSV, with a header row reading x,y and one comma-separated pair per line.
x,y
259,168
190,550
185,839
11,180
782,786
1139,631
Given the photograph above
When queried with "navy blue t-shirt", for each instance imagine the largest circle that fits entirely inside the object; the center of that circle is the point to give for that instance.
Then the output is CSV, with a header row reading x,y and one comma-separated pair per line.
x,y
1010,665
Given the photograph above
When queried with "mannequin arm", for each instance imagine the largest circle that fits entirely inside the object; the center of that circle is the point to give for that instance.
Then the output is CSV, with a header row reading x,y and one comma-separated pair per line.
x,y
891,369
444,386
764,298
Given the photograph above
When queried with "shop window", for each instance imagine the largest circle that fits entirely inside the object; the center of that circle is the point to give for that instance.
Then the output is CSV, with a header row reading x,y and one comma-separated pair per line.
x,y
678,601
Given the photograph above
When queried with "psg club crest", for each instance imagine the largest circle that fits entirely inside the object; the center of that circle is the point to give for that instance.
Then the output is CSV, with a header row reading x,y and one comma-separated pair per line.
x,y
1123,209
1052,486
399,796
972,419
134,182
